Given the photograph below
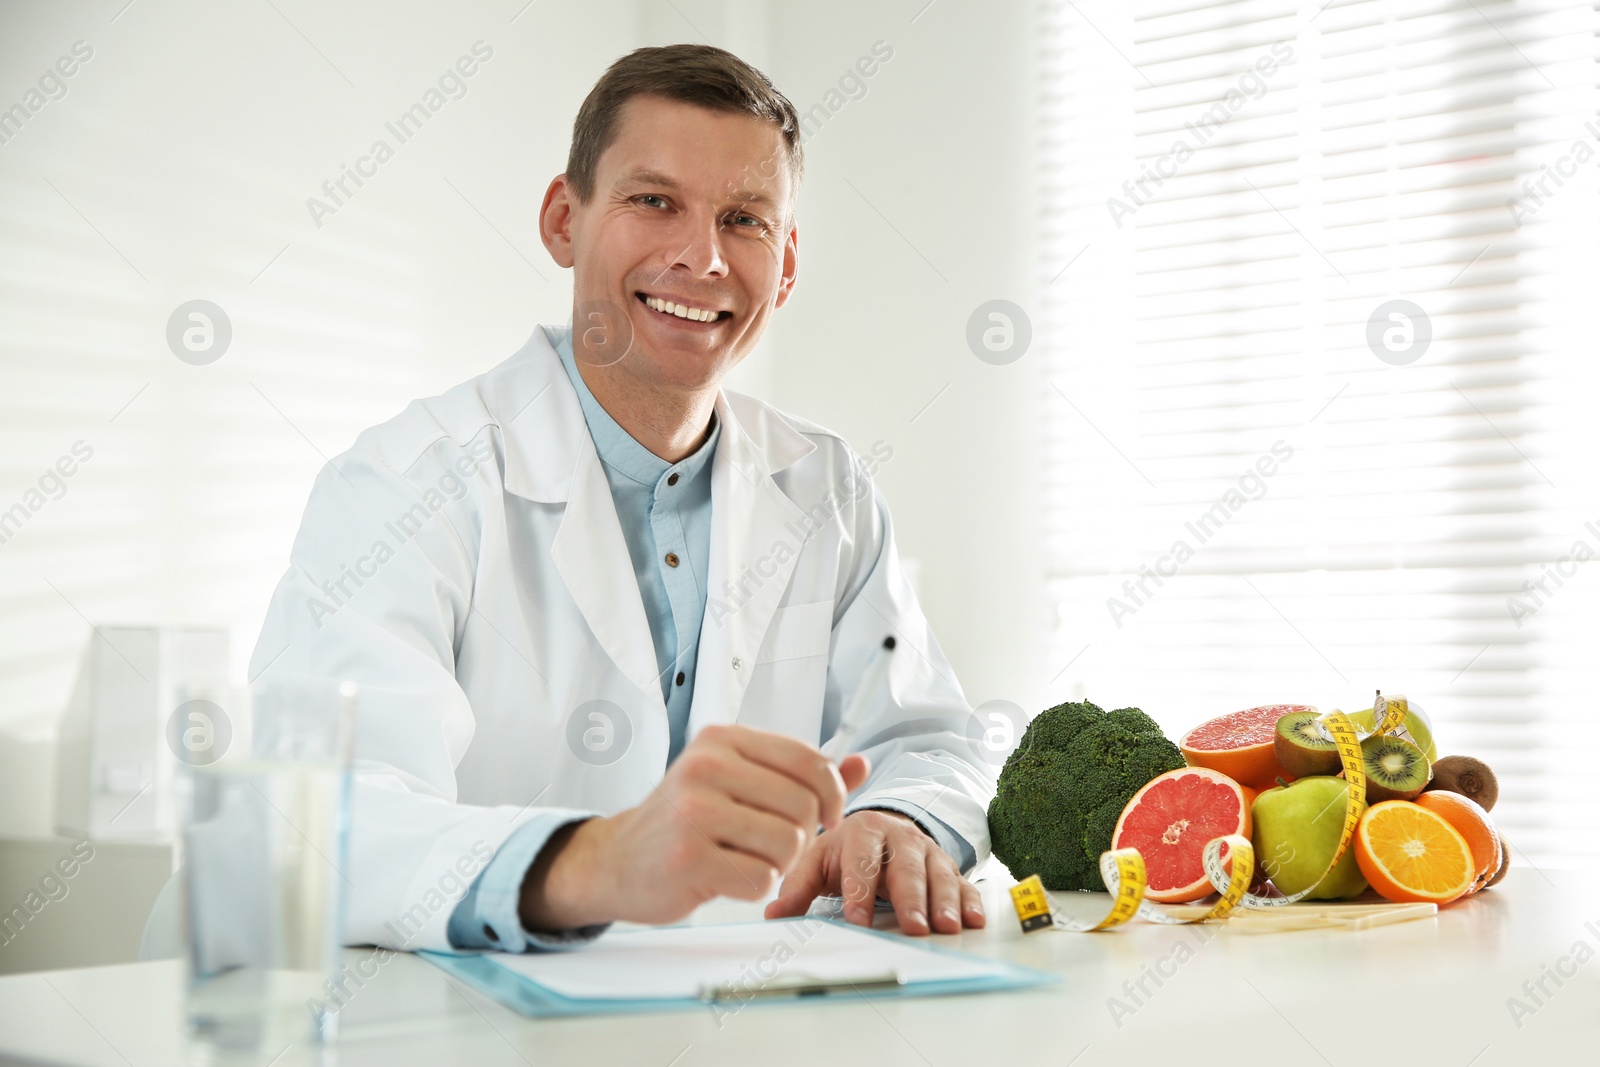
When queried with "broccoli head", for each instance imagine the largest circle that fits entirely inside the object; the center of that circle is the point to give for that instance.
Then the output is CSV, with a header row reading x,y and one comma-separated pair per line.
x,y
1060,793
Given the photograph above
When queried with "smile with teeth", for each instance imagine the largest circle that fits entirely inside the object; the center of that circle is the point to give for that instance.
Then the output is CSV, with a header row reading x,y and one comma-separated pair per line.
x,y
681,311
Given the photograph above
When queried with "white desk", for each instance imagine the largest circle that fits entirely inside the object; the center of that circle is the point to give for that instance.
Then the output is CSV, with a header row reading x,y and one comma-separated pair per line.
x,y
1446,982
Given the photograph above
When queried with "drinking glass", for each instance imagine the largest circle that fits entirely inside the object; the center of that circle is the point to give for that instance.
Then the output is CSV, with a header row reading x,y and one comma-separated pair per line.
x,y
264,849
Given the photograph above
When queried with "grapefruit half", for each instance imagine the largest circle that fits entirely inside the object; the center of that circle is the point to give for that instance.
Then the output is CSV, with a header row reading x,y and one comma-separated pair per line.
x,y
1172,819
1240,744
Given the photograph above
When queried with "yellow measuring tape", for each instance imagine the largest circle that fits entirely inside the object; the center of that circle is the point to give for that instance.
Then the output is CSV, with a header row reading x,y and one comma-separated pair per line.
x,y
1124,872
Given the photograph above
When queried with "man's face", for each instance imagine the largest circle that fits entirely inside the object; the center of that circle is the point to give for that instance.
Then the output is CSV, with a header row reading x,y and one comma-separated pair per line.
x,y
690,206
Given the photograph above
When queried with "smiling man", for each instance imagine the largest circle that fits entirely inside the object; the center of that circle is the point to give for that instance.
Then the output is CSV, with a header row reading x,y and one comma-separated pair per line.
x,y
604,612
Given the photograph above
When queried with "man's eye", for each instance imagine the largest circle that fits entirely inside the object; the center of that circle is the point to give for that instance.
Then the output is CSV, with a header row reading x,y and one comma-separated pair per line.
x,y
651,196
750,222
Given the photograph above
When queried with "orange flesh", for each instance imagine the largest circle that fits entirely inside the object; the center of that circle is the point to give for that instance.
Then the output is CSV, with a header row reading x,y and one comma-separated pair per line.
x,y
1410,853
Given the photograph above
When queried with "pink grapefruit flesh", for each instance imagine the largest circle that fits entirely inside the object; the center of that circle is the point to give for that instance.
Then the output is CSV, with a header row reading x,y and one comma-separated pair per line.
x,y
1172,819
1240,744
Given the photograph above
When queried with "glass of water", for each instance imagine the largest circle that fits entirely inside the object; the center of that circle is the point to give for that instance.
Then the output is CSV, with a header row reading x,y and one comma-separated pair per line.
x,y
263,842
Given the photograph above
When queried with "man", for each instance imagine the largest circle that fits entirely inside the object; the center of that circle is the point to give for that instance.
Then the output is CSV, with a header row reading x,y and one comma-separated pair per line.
x,y
603,612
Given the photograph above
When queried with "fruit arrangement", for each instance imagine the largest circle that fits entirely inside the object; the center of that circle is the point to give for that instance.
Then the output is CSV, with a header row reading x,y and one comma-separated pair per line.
x,y
1424,832
1090,792
1084,782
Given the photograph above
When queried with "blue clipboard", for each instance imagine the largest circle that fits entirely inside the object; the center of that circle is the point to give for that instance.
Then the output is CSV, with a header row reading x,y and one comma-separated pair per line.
x,y
527,997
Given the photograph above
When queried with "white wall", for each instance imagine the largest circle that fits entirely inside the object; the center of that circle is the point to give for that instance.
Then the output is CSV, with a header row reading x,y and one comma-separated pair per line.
x,y
178,166
917,207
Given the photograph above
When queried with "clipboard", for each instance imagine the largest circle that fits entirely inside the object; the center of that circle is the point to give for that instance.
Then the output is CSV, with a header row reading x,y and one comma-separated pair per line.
x,y
899,967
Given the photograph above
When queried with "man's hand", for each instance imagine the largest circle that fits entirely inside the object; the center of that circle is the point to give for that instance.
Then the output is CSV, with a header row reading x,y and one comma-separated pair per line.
x,y
874,849
732,815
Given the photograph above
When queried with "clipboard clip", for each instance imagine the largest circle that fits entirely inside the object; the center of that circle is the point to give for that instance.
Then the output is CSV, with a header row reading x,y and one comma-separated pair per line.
x,y
801,985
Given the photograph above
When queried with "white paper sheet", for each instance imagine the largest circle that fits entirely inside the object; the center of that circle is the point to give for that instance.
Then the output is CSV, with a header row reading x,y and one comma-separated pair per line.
x,y
676,962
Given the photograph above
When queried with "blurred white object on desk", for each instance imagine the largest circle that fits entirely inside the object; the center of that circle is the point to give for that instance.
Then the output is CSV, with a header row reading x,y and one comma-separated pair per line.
x,y
113,761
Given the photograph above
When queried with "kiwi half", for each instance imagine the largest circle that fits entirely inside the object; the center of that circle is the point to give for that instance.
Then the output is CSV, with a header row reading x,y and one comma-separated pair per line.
x,y
1303,747
1470,777
1396,769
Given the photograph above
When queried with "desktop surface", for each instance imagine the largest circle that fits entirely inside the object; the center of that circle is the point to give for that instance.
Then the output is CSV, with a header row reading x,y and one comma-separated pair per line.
x,y
1444,990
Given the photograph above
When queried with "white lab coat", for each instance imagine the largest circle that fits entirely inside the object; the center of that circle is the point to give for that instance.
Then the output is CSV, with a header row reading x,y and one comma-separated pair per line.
x,y
464,563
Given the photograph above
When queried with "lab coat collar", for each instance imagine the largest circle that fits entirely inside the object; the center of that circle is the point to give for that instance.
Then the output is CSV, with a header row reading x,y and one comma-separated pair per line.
x,y
546,436
550,457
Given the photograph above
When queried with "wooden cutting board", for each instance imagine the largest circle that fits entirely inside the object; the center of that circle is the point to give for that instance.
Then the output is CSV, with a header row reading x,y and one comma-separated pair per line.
x,y
1311,916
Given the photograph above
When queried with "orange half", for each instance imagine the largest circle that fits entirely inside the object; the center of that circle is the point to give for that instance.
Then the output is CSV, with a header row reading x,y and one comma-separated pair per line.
x,y
1408,853
1473,823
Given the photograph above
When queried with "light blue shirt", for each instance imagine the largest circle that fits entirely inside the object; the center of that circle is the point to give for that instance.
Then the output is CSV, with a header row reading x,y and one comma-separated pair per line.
x,y
665,512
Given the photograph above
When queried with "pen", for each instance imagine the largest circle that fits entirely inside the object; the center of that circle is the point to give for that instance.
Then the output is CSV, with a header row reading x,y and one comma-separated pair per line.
x,y
802,986
875,674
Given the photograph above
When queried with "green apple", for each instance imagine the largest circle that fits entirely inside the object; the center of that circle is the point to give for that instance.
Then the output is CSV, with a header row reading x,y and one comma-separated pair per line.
x,y
1416,724
1296,830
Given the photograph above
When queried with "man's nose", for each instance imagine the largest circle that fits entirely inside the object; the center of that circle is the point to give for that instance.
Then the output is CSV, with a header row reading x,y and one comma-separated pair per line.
x,y
701,246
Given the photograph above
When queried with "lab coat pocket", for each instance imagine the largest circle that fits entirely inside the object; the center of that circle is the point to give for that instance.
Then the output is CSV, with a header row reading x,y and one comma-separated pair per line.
x,y
797,631
790,675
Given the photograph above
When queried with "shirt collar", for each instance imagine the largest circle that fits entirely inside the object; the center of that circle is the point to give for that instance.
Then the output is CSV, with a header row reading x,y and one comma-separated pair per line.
x,y
616,447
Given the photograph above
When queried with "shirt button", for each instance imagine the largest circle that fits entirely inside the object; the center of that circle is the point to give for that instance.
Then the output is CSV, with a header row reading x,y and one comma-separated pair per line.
x,y
488,931
672,479
672,559
736,663
680,677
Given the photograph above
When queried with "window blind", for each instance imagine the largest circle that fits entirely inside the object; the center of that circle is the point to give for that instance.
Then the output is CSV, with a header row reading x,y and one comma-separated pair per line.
x,y
1267,482
186,481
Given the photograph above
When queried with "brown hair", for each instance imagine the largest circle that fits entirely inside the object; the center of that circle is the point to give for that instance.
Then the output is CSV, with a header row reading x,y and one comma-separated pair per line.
x,y
697,74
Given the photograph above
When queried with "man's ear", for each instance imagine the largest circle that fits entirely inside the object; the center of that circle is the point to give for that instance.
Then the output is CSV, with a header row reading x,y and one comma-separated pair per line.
x,y
555,221
791,266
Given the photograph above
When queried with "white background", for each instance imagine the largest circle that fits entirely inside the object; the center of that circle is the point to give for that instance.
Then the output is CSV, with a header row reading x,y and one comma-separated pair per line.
x,y
973,165
178,166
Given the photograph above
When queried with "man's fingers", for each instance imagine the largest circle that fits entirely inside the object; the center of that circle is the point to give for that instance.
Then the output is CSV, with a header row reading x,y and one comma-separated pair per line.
x,y
972,905
758,786
907,876
944,892
794,758
741,876
728,824
853,769
860,871
801,885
